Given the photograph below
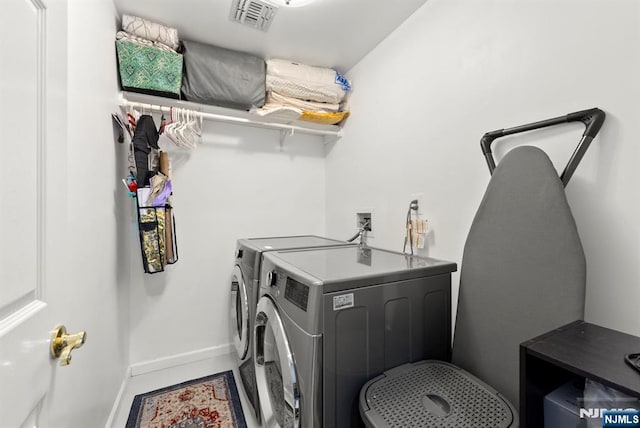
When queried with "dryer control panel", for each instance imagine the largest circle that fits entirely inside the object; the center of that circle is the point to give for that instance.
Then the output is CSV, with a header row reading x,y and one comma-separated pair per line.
x,y
297,293
294,291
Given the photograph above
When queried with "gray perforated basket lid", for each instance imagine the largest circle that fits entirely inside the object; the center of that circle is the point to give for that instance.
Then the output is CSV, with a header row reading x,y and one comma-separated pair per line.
x,y
433,394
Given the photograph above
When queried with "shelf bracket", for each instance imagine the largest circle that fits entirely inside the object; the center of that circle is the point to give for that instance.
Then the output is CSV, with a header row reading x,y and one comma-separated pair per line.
x,y
327,139
284,133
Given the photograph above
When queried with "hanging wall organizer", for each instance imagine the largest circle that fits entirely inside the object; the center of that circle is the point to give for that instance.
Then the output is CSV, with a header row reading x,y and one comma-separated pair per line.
x,y
149,184
157,229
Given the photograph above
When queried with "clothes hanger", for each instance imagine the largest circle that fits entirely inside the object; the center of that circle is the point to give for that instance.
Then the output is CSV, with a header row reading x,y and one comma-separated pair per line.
x,y
170,129
189,131
180,130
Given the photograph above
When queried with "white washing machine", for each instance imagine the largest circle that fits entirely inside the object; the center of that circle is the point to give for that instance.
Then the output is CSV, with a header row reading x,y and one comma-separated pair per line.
x,y
244,296
330,319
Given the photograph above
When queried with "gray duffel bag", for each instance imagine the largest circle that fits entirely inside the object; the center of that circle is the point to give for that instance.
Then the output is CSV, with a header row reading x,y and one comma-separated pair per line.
x,y
223,77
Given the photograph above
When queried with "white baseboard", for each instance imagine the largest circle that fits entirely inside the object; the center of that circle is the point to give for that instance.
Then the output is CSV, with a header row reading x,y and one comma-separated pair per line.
x,y
179,359
116,403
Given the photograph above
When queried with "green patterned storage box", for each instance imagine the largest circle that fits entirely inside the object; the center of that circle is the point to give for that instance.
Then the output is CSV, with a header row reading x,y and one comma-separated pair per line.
x,y
149,70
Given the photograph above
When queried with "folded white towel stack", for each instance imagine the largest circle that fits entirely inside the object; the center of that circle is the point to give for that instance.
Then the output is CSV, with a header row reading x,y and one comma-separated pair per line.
x,y
151,30
316,93
305,82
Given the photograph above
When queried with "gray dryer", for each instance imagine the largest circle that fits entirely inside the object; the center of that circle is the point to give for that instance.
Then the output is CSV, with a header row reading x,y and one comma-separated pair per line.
x,y
329,319
244,296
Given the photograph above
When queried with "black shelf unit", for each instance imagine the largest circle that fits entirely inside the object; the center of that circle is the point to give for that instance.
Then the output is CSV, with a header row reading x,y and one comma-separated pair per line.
x,y
576,351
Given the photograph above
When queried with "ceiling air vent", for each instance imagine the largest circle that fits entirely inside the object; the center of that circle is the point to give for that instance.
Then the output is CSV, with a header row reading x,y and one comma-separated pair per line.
x,y
254,13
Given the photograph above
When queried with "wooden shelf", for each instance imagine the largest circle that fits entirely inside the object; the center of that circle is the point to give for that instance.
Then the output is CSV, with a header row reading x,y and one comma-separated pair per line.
x,y
238,117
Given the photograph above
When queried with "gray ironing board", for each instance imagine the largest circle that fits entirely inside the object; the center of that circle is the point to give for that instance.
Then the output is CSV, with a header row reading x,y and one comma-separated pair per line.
x,y
523,273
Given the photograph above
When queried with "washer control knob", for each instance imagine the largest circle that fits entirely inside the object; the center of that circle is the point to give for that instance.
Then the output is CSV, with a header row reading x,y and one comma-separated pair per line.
x,y
272,278
238,254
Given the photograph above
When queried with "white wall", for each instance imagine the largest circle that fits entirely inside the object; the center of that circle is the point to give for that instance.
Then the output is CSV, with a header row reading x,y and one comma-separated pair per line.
x,y
459,68
236,184
97,251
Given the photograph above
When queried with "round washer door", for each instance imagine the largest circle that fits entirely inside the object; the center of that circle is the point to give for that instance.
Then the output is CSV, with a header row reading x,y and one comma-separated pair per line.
x,y
239,313
276,377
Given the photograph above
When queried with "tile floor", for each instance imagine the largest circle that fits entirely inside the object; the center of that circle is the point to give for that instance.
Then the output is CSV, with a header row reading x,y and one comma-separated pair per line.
x,y
159,379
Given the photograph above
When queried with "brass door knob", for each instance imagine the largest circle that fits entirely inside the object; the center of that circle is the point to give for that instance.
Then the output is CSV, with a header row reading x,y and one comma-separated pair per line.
x,y
62,344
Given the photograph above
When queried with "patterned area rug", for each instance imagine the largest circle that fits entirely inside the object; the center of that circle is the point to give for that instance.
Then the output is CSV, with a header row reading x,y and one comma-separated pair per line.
x,y
208,402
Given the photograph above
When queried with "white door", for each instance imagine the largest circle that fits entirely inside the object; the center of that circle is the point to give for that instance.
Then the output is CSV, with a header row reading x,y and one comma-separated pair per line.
x,y
33,111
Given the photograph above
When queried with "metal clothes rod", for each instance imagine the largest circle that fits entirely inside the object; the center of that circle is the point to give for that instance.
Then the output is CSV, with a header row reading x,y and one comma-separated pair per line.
x,y
231,119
